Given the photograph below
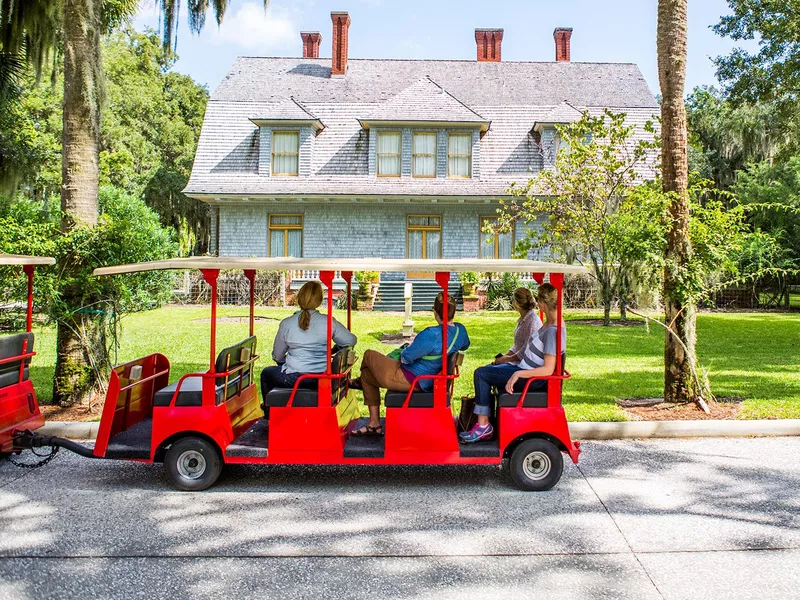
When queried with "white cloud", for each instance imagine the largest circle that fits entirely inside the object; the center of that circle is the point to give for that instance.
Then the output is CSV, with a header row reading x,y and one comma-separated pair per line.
x,y
251,27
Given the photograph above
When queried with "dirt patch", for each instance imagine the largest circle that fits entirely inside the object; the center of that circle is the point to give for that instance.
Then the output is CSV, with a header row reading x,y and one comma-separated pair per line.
x,y
72,413
396,339
655,409
599,323
234,320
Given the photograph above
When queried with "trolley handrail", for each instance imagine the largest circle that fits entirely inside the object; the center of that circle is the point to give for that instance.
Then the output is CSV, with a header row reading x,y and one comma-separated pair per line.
x,y
318,376
449,377
214,375
525,390
23,356
145,380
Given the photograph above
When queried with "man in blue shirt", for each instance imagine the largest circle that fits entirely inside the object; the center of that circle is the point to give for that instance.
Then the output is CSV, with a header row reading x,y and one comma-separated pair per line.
x,y
422,357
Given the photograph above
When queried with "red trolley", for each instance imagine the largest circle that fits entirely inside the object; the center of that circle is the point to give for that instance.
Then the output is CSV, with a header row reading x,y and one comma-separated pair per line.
x,y
203,421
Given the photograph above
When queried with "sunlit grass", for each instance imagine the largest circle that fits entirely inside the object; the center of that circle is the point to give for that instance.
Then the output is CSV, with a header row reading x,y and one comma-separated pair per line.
x,y
755,356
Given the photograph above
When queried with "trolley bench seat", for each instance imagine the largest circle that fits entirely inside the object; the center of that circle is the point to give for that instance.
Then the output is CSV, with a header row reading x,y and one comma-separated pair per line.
x,y
11,346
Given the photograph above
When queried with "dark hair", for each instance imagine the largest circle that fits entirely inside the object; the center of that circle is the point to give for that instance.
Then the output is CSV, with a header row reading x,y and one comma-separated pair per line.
x,y
438,305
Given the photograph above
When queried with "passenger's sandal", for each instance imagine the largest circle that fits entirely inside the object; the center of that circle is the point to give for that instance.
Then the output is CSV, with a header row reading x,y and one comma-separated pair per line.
x,y
368,431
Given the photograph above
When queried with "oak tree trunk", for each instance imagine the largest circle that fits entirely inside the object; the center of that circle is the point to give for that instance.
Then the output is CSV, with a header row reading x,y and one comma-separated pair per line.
x,y
83,89
678,303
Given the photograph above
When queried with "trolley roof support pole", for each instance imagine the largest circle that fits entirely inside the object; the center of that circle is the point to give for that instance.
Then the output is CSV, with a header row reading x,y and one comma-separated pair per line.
x,y
326,277
557,279
29,269
348,277
251,277
211,275
443,279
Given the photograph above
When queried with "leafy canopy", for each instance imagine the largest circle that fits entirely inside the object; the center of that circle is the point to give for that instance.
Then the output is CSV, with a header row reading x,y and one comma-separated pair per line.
x,y
773,72
589,212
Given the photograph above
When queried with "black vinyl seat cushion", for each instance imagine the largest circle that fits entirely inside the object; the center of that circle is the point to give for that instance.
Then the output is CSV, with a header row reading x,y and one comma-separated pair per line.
x,y
11,345
11,378
191,393
532,400
418,399
305,398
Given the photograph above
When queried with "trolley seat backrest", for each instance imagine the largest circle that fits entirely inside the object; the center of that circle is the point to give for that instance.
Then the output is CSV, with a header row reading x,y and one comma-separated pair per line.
x,y
228,359
13,346
420,399
341,364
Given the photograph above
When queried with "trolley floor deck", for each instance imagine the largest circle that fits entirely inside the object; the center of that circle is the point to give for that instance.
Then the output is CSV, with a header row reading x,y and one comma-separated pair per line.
x,y
134,442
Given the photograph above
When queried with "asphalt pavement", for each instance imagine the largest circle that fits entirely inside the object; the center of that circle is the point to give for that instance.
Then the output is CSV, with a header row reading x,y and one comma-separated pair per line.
x,y
703,518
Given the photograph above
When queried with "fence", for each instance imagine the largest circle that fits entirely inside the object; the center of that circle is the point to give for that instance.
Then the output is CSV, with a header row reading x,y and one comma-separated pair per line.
x,y
232,288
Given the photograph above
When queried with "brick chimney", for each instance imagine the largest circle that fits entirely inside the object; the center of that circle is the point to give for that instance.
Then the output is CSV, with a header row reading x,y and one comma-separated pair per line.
x,y
489,42
341,26
311,42
563,35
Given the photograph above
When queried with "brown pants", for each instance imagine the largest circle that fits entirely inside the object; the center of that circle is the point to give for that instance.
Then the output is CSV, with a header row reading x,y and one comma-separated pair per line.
x,y
380,371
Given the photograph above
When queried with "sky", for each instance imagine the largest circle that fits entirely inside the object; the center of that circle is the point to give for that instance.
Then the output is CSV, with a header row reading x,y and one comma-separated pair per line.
x,y
604,31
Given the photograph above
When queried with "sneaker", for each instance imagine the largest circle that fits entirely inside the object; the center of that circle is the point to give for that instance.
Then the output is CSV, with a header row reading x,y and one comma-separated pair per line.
x,y
478,433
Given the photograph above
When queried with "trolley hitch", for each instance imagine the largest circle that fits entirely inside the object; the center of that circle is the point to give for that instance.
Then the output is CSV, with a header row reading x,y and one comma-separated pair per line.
x,y
25,440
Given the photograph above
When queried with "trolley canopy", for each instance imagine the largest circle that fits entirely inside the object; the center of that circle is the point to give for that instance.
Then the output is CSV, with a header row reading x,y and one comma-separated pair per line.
x,y
18,259
382,265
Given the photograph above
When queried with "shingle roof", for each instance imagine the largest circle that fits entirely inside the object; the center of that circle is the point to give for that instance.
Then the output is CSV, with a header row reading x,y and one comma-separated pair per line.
x,y
424,100
289,109
563,113
473,83
513,96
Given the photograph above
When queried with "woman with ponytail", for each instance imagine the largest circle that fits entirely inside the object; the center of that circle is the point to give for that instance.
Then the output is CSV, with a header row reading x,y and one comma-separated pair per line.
x,y
497,374
301,344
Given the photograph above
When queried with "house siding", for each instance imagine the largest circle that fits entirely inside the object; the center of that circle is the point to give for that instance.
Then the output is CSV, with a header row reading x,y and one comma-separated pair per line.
x,y
331,229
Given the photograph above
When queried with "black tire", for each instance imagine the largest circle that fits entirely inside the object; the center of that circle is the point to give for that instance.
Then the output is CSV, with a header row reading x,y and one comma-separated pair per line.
x,y
536,465
192,464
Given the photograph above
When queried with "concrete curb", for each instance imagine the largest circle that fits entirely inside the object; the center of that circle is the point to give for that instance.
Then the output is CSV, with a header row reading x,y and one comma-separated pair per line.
x,y
578,431
72,430
683,429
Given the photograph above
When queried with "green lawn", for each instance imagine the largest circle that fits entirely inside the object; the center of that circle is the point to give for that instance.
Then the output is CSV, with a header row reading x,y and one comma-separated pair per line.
x,y
749,355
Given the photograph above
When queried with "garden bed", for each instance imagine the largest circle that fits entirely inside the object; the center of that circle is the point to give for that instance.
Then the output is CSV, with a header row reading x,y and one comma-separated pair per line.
x,y
655,409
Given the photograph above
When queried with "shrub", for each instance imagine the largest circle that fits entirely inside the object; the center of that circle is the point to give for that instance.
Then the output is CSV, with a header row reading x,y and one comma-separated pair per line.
x,y
500,292
365,279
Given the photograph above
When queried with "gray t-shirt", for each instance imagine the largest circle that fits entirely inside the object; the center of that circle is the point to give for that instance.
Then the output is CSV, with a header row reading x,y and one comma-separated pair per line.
x,y
544,342
306,351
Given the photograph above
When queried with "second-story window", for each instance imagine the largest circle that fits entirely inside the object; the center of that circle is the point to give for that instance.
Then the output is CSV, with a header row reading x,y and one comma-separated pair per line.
x,y
459,155
423,155
389,154
285,152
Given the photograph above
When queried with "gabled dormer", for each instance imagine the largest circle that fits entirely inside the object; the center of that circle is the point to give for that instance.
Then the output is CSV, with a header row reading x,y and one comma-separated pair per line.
x,y
545,130
286,140
424,132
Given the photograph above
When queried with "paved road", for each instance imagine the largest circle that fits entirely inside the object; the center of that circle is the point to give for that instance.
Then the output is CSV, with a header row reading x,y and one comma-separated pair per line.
x,y
639,519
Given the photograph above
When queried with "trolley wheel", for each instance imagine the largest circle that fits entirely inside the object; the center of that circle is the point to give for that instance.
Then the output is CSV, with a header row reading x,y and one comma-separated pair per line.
x,y
536,465
192,464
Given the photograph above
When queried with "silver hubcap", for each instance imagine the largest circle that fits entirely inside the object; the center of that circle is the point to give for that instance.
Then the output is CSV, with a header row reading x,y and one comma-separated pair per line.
x,y
536,466
191,464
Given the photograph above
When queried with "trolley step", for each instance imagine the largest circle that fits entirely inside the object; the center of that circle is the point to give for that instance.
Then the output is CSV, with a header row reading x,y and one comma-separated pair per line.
x,y
490,449
368,446
252,443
